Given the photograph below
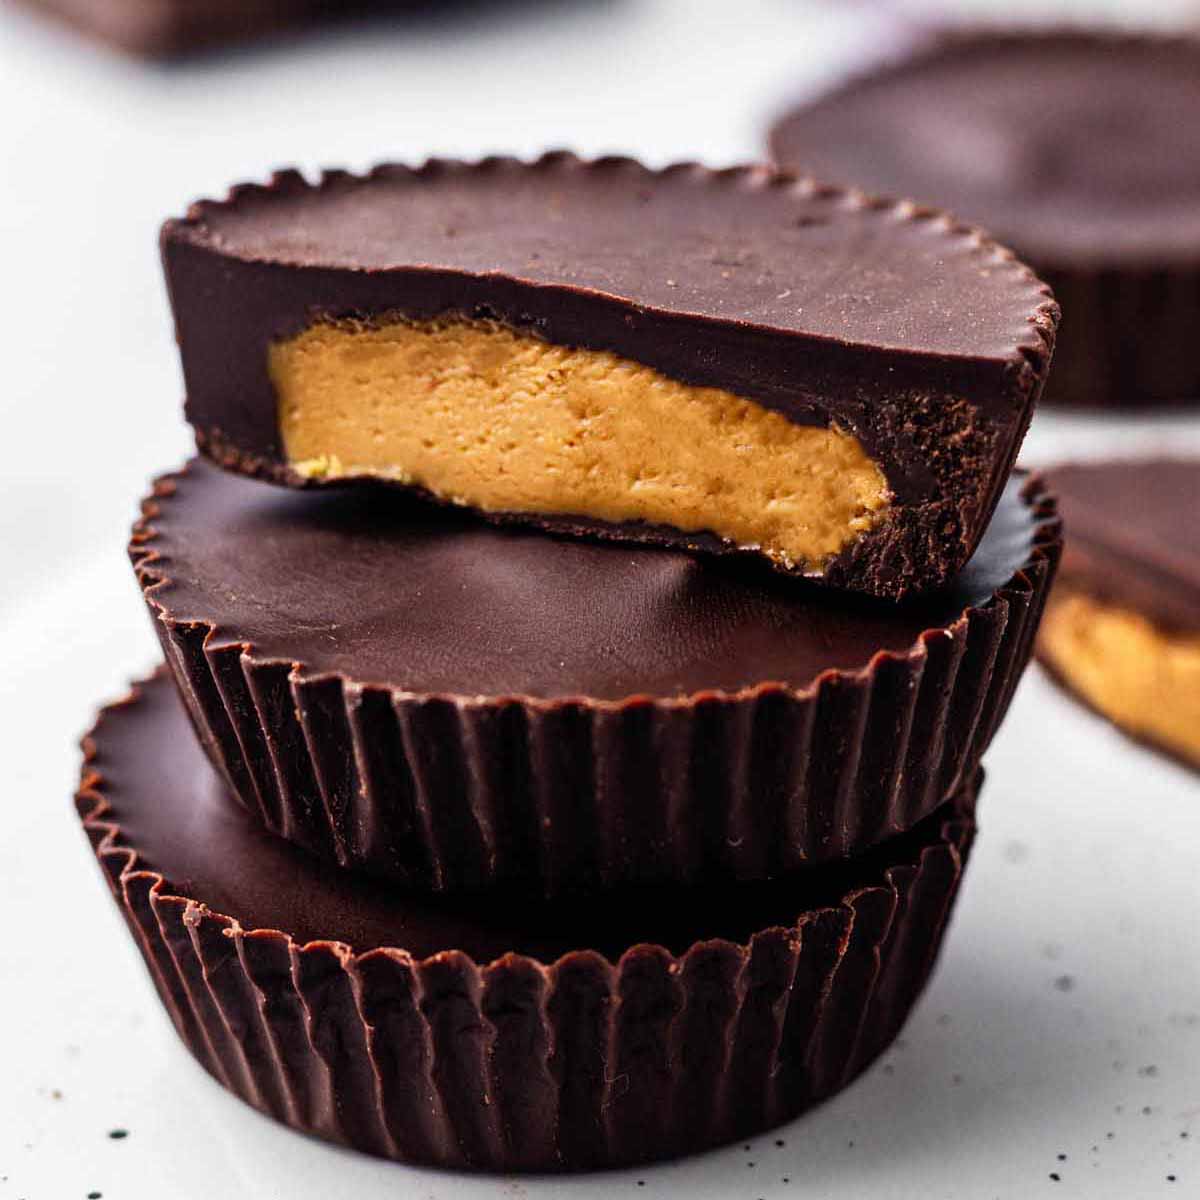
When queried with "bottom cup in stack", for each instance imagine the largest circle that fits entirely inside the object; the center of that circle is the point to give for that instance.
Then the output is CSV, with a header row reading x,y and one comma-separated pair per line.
x,y
499,1032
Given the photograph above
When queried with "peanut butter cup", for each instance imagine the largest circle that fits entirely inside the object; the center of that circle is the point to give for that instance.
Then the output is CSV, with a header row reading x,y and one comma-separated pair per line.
x,y
1081,150
1122,627
407,689
502,1034
733,361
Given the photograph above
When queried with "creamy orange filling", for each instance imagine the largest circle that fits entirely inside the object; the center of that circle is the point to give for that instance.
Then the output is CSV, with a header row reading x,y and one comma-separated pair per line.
x,y
1144,678
482,415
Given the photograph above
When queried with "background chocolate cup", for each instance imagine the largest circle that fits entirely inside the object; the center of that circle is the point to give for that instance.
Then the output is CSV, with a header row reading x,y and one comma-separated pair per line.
x,y
447,792
1129,338
585,1061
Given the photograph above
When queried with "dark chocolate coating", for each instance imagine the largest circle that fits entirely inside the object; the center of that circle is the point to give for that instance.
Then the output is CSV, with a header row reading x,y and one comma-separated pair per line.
x,y
411,691
379,588
570,1062
1079,149
1133,535
927,342
1073,147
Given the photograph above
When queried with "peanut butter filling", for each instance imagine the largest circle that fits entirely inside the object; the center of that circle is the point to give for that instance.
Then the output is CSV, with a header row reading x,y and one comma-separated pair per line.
x,y
1142,677
484,416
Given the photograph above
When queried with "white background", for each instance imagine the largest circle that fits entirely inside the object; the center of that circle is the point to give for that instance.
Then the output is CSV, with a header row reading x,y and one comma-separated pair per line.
x,y
1065,1017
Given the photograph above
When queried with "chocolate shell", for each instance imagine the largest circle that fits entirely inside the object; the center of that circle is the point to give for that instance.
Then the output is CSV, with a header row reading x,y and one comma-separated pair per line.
x,y
1080,149
493,1033
410,691
918,337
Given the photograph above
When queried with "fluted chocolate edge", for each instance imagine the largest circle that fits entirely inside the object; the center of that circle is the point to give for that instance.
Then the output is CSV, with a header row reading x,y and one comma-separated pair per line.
x,y
1033,345
523,1065
451,792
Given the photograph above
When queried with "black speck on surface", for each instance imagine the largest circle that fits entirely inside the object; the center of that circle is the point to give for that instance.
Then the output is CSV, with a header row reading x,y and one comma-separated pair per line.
x,y
1062,1158
1170,1178
1055,1176
1146,1110
1065,983
1149,1072
780,1142
94,1195
118,1134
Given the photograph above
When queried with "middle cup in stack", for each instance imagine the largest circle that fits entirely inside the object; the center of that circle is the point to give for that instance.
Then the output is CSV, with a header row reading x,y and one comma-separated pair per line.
x,y
417,694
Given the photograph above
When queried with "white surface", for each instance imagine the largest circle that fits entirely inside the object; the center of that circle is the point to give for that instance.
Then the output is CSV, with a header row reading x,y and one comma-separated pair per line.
x,y
1087,865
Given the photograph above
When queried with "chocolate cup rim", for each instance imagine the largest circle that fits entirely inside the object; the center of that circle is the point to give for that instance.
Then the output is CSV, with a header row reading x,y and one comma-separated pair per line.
x,y
1032,353
925,38
1045,545
108,842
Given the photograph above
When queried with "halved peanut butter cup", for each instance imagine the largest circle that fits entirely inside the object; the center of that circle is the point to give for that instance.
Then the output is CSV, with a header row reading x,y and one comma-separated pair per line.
x,y
411,691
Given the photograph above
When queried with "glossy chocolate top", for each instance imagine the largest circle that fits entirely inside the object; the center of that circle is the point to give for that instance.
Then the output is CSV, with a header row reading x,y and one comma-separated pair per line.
x,y
1073,147
1133,534
744,246
382,588
173,811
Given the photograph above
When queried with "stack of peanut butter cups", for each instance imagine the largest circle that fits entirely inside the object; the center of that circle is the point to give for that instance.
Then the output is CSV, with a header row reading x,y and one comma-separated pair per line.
x,y
582,630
